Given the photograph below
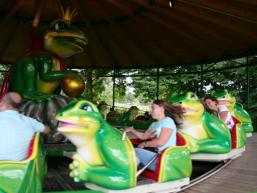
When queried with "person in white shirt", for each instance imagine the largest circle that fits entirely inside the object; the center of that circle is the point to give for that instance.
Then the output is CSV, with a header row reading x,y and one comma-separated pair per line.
x,y
220,110
16,129
160,135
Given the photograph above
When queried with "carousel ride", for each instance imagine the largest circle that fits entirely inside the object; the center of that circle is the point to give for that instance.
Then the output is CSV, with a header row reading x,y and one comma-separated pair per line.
x,y
105,159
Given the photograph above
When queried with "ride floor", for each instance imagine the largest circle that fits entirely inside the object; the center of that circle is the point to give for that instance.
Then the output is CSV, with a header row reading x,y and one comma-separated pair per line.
x,y
240,176
58,178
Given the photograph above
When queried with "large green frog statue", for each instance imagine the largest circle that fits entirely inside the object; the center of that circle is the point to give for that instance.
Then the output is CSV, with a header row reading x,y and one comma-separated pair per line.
x,y
104,157
235,109
204,132
38,74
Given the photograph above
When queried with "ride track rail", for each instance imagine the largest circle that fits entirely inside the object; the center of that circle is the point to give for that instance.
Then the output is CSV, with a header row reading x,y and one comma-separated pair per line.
x,y
206,175
57,180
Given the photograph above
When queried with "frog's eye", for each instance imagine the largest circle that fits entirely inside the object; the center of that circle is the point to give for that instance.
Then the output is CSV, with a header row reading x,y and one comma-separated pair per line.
x,y
192,95
86,108
60,25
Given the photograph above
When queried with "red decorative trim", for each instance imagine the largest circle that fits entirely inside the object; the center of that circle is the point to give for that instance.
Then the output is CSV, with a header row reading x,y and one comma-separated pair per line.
x,y
154,174
31,147
135,141
180,140
5,85
233,133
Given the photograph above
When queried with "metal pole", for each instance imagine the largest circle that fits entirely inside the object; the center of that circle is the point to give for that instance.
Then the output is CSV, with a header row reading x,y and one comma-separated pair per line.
x,y
113,87
157,82
248,83
201,78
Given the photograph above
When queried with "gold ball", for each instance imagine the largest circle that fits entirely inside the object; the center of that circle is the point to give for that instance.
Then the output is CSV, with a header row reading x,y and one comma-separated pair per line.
x,y
73,87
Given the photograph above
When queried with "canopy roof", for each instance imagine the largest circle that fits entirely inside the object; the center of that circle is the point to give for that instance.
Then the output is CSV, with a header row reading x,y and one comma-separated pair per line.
x,y
138,33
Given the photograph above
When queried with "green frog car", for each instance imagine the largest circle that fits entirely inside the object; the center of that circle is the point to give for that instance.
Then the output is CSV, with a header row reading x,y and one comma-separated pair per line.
x,y
237,111
129,118
204,133
24,176
103,158
126,119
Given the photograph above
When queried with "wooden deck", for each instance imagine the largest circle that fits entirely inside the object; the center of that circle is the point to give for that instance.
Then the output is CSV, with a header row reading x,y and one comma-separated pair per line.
x,y
240,176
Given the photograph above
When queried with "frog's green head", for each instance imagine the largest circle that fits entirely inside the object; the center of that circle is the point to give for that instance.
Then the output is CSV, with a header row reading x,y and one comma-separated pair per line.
x,y
103,108
133,111
224,97
189,102
131,114
63,39
79,117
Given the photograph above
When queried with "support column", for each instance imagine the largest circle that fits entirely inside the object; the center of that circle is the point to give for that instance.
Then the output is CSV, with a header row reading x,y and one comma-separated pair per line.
x,y
248,83
157,82
201,74
113,87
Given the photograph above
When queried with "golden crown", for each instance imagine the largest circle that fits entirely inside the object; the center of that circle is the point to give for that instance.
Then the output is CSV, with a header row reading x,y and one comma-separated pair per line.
x,y
68,15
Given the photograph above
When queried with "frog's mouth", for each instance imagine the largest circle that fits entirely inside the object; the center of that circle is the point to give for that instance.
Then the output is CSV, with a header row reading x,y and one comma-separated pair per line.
x,y
189,110
66,125
77,40
224,101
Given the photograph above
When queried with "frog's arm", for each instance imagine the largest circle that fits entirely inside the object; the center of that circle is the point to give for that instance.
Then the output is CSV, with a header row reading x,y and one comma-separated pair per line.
x,y
101,175
241,114
29,71
219,140
47,74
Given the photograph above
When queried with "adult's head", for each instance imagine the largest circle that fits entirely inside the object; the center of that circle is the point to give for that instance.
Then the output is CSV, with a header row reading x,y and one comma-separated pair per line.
x,y
161,109
10,100
211,103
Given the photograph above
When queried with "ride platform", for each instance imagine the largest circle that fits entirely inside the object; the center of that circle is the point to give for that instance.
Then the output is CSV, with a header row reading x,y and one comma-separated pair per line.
x,y
239,176
145,186
234,153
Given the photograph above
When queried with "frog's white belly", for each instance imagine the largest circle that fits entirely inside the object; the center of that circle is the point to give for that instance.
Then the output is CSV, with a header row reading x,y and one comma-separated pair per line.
x,y
195,130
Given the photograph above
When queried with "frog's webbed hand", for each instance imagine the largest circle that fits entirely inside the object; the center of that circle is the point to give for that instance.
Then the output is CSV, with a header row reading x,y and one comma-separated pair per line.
x,y
36,95
79,169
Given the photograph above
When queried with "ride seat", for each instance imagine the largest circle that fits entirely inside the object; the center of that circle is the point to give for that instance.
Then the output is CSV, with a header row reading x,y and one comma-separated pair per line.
x,y
180,141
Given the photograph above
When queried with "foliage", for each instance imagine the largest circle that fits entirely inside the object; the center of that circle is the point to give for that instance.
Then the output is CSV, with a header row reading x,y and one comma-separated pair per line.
x,y
3,69
97,85
231,74
141,86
